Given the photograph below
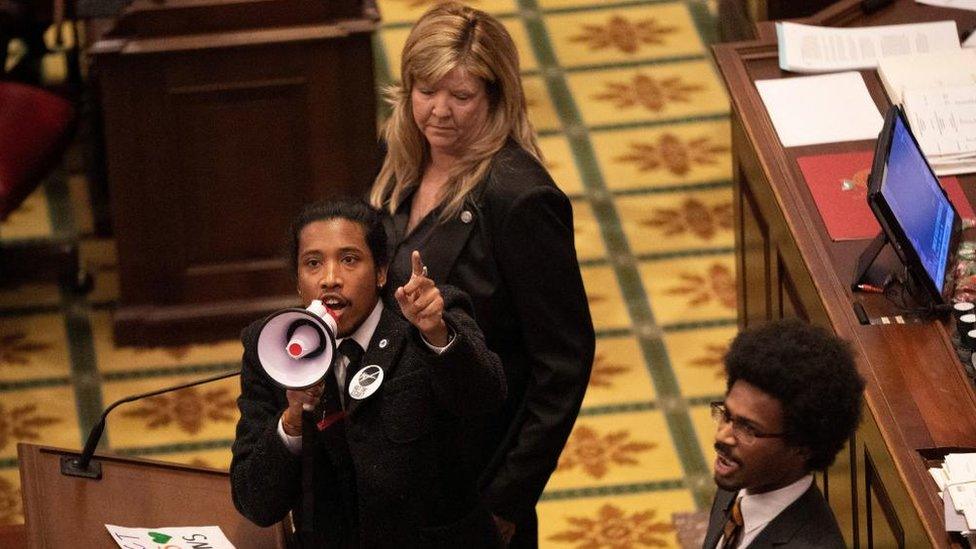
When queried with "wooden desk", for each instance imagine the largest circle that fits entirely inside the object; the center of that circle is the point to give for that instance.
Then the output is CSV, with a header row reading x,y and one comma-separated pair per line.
x,y
67,511
917,394
222,118
13,535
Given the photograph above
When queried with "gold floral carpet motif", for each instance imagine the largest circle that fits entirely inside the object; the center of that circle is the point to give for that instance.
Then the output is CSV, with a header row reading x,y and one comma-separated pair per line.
x,y
633,121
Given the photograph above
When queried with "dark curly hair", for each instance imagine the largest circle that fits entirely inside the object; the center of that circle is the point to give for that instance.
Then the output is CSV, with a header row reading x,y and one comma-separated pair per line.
x,y
811,372
354,210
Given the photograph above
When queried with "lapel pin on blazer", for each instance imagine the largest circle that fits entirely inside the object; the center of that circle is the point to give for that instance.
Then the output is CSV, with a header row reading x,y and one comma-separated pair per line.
x,y
466,216
366,382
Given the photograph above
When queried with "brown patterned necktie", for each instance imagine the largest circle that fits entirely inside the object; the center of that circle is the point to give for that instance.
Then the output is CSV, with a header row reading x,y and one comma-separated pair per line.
x,y
733,526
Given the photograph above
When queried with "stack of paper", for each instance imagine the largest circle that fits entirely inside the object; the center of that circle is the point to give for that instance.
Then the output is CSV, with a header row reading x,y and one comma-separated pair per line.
x,y
957,482
944,122
938,93
807,48
926,71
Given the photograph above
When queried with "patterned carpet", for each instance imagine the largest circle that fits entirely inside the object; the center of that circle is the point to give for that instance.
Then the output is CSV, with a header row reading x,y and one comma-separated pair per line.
x,y
634,124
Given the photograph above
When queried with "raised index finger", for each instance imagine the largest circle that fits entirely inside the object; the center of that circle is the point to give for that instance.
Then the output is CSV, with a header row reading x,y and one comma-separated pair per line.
x,y
418,265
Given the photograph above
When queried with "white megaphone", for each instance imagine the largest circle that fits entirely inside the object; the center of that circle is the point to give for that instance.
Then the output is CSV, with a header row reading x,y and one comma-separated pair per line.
x,y
296,346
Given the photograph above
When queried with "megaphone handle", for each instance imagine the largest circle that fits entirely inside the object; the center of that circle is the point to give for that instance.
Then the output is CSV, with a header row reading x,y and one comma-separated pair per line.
x,y
308,472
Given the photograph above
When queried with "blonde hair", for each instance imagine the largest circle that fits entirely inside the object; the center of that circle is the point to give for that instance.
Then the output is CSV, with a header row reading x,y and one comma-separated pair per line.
x,y
449,36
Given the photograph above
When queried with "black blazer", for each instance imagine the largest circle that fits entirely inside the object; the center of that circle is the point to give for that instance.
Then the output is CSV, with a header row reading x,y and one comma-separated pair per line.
x,y
806,523
392,474
512,251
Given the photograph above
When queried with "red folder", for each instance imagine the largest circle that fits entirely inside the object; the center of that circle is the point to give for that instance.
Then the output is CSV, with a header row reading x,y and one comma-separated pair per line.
x,y
839,185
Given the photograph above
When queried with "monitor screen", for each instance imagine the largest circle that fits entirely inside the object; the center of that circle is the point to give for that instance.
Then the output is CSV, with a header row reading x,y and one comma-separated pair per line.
x,y
918,203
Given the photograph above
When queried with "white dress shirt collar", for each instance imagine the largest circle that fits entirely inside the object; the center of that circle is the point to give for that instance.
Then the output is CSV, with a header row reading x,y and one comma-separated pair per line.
x,y
758,510
364,333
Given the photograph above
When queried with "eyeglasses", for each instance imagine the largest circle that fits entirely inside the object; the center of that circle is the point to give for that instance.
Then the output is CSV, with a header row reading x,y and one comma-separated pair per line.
x,y
743,432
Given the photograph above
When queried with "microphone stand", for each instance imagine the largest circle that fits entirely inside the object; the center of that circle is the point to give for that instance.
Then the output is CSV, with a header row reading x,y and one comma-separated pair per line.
x,y
83,466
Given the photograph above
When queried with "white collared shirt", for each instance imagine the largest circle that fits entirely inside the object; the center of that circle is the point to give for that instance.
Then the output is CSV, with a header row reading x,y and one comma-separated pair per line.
x,y
363,335
758,510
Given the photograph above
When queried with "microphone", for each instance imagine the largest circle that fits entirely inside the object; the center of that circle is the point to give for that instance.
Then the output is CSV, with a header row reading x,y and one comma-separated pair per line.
x,y
295,347
83,466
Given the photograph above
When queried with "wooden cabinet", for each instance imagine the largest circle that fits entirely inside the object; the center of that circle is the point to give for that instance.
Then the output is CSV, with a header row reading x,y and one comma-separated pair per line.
x,y
221,118
917,396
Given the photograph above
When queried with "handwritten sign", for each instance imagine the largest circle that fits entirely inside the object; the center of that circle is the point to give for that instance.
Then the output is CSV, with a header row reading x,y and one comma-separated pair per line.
x,y
177,537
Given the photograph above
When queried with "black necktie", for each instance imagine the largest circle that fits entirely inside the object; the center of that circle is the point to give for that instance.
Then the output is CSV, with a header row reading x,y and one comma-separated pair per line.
x,y
352,351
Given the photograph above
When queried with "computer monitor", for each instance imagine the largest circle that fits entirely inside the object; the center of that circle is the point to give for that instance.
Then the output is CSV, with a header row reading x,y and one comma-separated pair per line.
x,y
912,208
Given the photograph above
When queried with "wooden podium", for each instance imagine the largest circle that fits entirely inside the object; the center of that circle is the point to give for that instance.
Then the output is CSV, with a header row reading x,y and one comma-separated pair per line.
x,y
221,118
66,511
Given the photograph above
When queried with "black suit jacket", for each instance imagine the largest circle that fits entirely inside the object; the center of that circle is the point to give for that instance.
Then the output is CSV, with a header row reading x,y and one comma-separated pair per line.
x,y
806,523
512,251
392,473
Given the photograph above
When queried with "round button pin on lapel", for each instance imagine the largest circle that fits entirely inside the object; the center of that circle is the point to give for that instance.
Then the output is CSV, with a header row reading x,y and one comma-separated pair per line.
x,y
366,382
466,216
383,343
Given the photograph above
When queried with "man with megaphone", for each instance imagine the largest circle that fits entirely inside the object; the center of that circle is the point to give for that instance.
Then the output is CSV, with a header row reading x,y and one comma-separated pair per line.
x,y
374,454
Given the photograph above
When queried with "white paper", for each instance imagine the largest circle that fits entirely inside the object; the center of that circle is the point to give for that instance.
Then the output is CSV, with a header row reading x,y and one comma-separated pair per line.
x,y
960,467
944,123
827,108
808,48
955,168
964,500
939,476
926,71
956,4
955,521
170,537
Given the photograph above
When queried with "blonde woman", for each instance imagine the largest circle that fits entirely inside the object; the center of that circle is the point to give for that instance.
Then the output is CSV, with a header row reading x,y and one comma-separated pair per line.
x,y
464,184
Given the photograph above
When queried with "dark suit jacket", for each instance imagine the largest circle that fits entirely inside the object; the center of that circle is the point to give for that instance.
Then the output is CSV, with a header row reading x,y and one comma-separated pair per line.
x,y
392,473
807,522
513,253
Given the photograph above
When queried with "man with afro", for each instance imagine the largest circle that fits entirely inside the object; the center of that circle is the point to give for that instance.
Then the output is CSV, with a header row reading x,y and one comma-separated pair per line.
x,y
793,399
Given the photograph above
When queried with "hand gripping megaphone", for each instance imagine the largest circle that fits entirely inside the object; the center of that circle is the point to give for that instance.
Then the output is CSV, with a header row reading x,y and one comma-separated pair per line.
x,y
296,346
